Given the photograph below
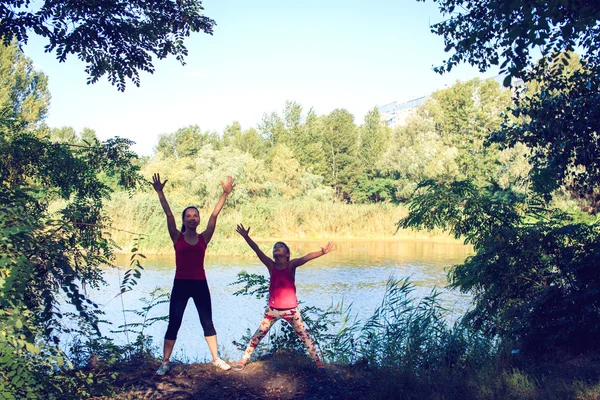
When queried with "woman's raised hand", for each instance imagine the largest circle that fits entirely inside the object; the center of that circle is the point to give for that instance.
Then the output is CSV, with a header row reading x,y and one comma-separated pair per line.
x,y
242,231
228,187
327,248
156,183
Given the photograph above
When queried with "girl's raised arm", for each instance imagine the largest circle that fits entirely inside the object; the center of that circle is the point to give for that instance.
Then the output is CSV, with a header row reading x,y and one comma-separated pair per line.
x,y
262,256
296,262
158,187
212,221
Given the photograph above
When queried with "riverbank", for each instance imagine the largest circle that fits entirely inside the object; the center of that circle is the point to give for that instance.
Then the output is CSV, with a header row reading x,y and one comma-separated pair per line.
x,y
269,220
294,377
236,247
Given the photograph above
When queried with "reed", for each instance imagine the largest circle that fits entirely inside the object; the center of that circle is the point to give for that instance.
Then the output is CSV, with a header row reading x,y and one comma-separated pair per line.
x,y
268,218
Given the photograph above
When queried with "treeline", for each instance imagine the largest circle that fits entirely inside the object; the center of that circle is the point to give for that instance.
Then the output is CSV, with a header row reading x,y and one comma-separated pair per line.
x,y
297,153
301,175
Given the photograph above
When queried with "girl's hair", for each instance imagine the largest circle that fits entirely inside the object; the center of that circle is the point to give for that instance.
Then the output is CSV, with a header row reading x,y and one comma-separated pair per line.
x,y
286,247
183,216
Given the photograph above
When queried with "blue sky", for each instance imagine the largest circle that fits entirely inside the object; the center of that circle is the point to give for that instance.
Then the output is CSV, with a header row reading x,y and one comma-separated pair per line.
x,y
324,54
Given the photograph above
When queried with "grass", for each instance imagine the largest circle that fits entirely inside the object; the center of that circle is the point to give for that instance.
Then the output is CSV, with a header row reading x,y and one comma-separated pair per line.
x,y
284,220
289,376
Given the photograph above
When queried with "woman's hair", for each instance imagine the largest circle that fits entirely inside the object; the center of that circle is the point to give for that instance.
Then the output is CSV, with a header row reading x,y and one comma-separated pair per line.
x,y
284,245
183,216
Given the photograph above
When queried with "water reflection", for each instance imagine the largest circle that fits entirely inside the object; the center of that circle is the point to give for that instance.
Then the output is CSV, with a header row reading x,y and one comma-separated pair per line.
x,y
356,272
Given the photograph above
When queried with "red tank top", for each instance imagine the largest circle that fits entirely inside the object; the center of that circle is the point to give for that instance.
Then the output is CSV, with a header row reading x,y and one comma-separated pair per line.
x,y
189,260
282,289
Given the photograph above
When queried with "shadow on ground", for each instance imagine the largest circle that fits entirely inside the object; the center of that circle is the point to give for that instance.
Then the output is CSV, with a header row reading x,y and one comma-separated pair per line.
x,y
259,380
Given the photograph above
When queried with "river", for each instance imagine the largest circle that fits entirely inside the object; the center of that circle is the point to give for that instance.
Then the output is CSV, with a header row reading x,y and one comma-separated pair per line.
x,y
355,272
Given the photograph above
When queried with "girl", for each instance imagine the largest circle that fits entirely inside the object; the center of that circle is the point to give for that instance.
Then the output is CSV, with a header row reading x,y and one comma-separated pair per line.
x,y
190,278
282,295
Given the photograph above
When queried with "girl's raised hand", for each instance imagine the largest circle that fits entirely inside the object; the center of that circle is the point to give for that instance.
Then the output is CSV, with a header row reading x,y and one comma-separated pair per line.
x,y
242,231
157,184
327,248
228,187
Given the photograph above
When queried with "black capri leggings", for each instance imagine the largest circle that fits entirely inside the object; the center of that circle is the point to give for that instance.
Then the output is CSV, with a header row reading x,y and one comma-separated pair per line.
x,y
183,289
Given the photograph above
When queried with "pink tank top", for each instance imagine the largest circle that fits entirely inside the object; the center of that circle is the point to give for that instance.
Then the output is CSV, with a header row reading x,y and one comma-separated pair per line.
x,y
282,290
190,259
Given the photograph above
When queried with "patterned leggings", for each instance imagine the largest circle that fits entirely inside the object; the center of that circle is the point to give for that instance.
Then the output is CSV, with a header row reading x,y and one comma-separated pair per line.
x,y
292,316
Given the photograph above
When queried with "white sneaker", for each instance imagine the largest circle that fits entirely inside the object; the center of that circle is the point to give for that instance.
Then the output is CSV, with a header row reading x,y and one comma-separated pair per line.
x,y
221,364
163,369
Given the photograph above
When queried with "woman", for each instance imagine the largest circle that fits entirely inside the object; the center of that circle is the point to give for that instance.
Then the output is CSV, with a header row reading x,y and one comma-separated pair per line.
x,y
190,278
282,295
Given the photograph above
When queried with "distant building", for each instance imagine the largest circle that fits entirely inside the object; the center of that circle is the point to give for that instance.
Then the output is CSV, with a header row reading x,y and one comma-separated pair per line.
x,y
395,114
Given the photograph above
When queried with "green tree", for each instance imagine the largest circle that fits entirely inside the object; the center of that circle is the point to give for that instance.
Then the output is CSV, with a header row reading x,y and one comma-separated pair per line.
x,y
535,274
465,115
445,138
88,136
285,170
184,142
24,95
48,255
250,141
557,117
340,145
272,127
374,138
305,139
416,153
310,149
292,115
117,38
487,33
232,133
66,134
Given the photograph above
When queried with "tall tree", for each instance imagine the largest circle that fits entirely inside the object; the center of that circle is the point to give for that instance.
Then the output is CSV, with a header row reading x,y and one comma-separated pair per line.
x,y
285,170
184,142
272,127
561,120
292,116
48,256
66,134
558,116
305,139
340,145
311,151
535,274
489,32
465,115
250,141
374,138
88,136
232,133
115,38
24,95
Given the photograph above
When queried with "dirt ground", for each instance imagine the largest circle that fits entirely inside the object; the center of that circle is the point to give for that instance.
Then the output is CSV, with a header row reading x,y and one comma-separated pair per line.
x,y
291,376
271,379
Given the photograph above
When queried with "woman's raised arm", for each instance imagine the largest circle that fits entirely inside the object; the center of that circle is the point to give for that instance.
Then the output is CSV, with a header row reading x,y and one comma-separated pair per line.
x,y
158,187
212,221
